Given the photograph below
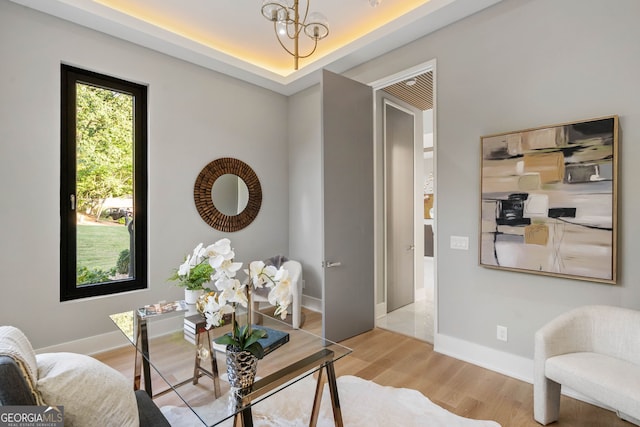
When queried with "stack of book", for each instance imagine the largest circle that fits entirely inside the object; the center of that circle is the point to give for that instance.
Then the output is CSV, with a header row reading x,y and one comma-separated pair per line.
x,y
272,341
193,325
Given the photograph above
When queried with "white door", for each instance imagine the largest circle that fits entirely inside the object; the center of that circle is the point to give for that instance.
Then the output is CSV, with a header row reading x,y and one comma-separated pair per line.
x,y
347,135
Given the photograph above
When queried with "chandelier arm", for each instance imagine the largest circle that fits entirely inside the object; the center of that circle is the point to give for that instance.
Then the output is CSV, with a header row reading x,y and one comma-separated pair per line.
x,y
306,13
291,25
315,45
280,41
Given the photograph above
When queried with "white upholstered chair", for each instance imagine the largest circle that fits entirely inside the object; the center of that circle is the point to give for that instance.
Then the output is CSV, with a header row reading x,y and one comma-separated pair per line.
x,y
295,274
595,351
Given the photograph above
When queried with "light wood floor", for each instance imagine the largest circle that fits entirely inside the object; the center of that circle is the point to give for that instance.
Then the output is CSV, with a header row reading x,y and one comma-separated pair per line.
x,y
396,360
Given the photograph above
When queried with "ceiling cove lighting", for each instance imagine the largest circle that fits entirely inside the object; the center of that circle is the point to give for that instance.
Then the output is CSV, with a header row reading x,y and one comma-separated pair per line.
x,y
285,15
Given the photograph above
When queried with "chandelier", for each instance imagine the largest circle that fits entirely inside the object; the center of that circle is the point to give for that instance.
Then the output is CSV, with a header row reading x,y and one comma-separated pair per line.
x,y
285,15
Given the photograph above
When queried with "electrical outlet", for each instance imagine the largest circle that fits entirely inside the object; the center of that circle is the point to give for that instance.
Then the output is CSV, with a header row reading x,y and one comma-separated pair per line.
x,y
459,242
501,333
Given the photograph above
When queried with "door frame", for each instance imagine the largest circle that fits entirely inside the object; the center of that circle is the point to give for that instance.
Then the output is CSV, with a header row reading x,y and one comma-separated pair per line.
x,y
379,222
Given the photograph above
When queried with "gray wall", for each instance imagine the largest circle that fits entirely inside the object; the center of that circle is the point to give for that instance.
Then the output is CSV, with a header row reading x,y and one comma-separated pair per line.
x,y
195,116
516,65
305,188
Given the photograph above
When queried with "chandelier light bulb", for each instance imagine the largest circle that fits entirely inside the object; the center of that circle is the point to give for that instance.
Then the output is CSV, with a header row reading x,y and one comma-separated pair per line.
x,y
317,27
281,28
272,9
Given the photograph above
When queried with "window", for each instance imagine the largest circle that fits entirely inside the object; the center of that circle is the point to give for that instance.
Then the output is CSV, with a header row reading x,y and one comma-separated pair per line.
x,y
103,186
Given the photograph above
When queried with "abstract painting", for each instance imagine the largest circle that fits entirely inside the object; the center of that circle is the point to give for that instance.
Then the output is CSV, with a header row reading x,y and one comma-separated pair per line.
x,y
548,200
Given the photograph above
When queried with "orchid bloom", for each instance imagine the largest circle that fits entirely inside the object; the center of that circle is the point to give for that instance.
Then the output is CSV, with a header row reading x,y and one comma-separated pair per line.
x,y
220,257
255,268
191,261
214,312
227,269
280,294
231,290
261,275
198,255
221,248
185,268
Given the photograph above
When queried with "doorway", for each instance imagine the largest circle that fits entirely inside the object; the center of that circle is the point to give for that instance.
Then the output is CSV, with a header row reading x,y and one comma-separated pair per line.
x,y
410,92
399,131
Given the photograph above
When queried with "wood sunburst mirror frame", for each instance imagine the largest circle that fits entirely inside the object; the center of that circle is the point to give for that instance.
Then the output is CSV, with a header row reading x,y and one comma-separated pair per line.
x,y
204,201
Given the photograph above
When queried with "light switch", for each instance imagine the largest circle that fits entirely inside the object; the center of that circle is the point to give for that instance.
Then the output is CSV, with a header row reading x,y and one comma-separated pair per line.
x,y
460,242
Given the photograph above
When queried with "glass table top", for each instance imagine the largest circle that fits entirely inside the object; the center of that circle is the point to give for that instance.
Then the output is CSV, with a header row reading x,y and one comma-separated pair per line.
x,y
172,358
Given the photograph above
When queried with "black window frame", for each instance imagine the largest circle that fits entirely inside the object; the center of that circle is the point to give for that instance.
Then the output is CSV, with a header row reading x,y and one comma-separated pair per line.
x,y
70,76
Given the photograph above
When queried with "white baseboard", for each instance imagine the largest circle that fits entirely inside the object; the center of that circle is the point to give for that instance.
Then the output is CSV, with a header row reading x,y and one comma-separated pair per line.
x,y
381,310
505,363
111,340
91,345
314,304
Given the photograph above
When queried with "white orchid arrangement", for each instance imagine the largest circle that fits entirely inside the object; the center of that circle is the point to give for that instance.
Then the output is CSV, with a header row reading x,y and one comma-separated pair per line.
x,y
229,292
207,264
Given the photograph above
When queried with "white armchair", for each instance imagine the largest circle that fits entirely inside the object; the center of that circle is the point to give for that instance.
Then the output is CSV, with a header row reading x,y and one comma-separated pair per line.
x,y
593,350
295,274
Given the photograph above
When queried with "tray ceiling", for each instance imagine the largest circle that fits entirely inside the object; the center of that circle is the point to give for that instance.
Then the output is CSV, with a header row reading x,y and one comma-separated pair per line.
x,y
232,37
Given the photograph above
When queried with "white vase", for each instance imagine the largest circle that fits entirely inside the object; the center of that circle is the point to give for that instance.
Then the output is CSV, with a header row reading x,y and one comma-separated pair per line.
x,y
191,296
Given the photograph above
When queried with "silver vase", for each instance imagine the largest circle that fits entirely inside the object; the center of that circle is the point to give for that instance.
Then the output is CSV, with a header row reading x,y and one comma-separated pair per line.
x,y
241,368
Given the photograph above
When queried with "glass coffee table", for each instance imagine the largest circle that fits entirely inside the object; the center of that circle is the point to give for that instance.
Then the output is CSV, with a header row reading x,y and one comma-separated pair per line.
x,y
189,377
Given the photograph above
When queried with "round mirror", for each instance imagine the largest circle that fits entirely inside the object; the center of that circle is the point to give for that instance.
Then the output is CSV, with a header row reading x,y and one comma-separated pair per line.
x,y
227,194
230,194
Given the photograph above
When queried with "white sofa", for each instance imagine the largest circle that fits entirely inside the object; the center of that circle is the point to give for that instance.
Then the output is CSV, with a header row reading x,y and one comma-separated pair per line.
x,y
593,350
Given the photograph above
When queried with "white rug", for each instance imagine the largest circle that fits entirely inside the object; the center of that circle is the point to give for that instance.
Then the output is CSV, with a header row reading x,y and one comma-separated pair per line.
x,y
364,404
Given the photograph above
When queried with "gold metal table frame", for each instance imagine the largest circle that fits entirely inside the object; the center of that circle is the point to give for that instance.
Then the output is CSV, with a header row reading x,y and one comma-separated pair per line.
x,y
142,360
